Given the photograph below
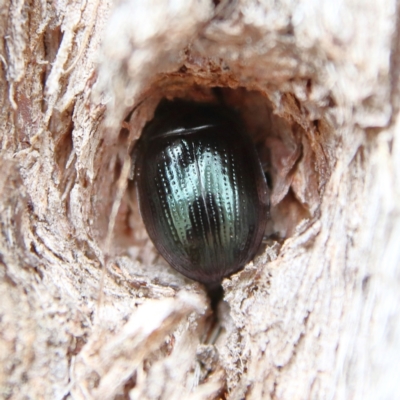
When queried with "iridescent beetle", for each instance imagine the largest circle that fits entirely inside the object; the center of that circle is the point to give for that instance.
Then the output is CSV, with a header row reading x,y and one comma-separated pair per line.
x,y
202,192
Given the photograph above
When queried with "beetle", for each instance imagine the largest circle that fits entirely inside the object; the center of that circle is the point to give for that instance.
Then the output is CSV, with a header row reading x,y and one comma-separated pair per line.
x,y
202,192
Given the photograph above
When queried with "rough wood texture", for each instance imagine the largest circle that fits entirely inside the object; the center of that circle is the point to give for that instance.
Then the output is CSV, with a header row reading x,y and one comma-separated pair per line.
x,y
88,309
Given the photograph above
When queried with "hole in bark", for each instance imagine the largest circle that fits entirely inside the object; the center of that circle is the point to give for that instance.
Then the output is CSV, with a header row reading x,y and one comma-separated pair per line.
x,y
292,162
294,149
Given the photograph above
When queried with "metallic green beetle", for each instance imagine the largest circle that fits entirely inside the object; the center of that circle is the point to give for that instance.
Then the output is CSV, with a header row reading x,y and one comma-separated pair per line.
x,y
202,192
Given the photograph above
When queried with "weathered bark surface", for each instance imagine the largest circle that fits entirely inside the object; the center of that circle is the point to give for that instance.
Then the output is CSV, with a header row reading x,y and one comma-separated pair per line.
x,y
88,309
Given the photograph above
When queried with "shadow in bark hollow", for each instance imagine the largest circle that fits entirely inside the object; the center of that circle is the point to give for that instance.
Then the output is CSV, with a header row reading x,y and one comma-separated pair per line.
x,y
286,152
289,144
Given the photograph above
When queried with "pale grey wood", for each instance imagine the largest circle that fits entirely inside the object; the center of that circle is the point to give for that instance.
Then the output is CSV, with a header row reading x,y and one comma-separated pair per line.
x,y
91,312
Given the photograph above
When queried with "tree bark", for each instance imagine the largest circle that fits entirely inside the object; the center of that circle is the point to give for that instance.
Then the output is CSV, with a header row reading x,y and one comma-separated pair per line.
x,y
87,307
